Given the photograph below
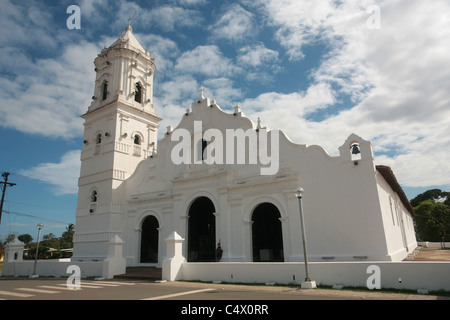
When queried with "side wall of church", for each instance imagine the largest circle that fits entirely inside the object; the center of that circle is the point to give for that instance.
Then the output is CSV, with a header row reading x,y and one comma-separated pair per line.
x,y
397,220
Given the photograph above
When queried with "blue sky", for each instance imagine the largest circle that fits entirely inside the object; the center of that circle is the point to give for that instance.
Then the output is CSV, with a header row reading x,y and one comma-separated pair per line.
x,y
318,70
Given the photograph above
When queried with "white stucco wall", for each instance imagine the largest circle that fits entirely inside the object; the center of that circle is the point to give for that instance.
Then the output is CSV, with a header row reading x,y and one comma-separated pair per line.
x,y
397,221
413,275
344,218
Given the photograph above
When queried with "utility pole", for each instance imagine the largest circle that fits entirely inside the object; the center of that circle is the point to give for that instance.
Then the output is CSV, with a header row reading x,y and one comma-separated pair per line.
x,y
4,184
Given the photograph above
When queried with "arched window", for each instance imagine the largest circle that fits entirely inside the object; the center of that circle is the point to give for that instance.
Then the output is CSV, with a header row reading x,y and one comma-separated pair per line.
x,y
94,196
105,90
137,139
204,145
93,205
138,93
98,140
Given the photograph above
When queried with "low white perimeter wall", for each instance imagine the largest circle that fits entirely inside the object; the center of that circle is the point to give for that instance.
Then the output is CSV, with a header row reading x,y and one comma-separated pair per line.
x,y
52,268
434,245
414,275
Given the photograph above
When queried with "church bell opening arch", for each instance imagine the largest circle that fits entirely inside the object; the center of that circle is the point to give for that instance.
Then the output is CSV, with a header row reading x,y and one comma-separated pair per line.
x,y
267,235
201,231
149,240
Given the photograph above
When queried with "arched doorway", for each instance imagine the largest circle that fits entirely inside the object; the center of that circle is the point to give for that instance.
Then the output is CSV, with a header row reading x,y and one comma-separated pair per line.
x,y
149,240
267,237
202,231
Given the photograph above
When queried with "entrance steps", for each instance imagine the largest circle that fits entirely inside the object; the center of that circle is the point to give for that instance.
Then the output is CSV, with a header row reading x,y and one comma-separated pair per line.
x,y
412,255
141,273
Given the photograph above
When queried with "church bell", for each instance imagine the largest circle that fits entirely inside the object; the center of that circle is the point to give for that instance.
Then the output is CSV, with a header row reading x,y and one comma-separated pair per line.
x,y
355,149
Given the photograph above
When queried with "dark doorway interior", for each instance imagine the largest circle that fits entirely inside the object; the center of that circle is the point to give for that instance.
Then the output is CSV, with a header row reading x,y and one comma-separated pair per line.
x,y
149,240
267,236
201,231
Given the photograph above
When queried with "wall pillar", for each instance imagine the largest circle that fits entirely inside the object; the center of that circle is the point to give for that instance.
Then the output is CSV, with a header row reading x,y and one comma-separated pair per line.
x,y
171,266
114,263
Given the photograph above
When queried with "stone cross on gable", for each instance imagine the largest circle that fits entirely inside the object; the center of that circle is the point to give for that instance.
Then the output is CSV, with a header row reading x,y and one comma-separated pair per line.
x,y
201,92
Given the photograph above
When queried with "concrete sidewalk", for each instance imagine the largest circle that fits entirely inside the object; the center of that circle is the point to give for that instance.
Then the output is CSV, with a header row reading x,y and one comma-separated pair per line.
x,y
286,292
430,254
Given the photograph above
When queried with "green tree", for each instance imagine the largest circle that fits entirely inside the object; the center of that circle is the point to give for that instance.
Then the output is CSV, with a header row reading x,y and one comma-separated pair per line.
x,y
25,238
50,240
432,194
66,240
432,220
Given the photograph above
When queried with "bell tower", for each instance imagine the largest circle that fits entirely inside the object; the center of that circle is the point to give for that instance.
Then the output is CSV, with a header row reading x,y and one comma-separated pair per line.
x,y
120,130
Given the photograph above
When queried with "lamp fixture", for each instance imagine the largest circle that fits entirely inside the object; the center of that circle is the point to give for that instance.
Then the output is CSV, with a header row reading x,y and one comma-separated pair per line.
x,y
299,193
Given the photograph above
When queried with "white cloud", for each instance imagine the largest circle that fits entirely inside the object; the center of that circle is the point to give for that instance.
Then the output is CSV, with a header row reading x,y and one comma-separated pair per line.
x,y
192,2
394,77
50,96
298,23
223,91
206,60
257,55
162,49
63,176
92,8
236,23
259,62
172,99
22,23
169,18
287,111
179,88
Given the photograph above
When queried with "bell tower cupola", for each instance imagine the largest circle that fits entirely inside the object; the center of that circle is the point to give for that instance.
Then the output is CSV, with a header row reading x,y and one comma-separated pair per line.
x,y
124,72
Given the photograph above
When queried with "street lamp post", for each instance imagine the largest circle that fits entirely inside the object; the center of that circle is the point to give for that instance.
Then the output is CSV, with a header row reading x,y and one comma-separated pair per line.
x,y
307,284
40,225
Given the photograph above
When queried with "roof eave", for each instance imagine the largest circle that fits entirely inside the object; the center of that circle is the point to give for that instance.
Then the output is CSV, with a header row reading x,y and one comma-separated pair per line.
x,y
390,178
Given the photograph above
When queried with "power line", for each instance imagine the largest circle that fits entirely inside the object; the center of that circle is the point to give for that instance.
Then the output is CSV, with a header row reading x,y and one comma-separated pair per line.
x,y
32,216
33,205
5,184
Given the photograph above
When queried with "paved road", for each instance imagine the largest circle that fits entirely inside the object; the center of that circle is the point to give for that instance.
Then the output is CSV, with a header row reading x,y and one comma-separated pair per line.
x,y
56,289
187,299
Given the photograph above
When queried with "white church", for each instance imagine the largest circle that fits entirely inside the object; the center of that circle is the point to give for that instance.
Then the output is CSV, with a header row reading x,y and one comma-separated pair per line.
x,y
239,191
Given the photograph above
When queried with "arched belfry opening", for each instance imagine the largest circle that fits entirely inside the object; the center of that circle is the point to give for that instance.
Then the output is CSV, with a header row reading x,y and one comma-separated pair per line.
x,y
267,237
104,90
138,92
355,151
202,231
149,240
